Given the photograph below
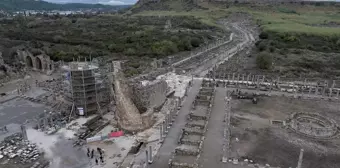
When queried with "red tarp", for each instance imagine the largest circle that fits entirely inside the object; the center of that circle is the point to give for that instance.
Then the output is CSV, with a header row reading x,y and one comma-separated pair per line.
x,y
116,134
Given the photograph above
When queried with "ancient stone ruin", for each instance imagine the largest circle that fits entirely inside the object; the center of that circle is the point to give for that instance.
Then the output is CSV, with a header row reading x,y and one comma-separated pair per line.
x,y
128,116
312,125
191,139
41,62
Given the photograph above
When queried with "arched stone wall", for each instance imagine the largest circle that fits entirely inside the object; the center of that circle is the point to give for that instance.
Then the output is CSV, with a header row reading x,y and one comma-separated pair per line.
x,y
38,63
29,62
41,63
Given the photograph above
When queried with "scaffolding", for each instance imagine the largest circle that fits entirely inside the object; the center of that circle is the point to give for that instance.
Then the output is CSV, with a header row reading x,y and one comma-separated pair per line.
x,y
83,81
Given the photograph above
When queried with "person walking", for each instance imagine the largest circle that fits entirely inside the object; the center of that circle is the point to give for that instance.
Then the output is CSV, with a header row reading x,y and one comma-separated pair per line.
x,y
99,151
92,153
88,152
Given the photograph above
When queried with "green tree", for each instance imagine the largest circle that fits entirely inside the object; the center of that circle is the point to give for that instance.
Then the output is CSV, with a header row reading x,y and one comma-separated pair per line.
x,y
164,47
195,42
264,60
130,51
263,35
185,44
338,43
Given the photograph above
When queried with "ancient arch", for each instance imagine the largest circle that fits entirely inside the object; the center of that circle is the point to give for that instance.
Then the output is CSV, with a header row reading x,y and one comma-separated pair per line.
x,y
29,62
38,63
45,66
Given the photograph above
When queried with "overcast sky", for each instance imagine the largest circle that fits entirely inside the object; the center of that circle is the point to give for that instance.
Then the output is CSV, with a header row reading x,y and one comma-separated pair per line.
x,y
108,2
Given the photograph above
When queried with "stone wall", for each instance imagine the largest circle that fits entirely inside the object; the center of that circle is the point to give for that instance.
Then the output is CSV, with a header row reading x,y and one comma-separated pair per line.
x,y
41,62
127,114
152,94
305,123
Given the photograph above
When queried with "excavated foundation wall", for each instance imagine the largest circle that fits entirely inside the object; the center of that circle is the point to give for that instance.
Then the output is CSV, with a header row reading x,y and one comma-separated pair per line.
x,y
128,116
152,94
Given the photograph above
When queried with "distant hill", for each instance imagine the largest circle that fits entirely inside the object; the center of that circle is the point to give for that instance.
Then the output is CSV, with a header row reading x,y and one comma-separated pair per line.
x,y
15,5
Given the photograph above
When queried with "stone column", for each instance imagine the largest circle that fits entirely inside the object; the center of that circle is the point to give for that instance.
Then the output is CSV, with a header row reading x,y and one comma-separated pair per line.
x,y
192,80
165,128
300,159
263,78
257,84
146,159
233,77
150,157
310,90
161,132
323,91
248,78
169,119
45,120
330,92
38,124
23,131
51,119
316,90
295,90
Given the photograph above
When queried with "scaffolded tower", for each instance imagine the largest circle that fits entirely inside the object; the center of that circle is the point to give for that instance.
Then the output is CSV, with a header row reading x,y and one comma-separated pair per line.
x,y
83,86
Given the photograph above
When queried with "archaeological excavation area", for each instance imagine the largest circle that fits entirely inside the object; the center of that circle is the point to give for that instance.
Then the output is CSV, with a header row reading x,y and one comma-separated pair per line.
x,y
247,120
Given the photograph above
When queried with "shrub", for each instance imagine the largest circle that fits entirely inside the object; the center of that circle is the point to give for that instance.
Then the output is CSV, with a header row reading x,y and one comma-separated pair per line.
x,y
185,44
195,42
338,43
262,46
264,60
130,51
164,47
263,35
272,49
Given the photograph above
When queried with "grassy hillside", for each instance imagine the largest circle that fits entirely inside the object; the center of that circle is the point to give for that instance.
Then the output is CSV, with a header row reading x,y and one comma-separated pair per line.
x,y
14,5
300,40
309,19
302,25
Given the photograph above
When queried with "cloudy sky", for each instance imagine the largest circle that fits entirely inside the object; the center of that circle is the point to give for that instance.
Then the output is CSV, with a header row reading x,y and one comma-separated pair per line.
x,y
108,2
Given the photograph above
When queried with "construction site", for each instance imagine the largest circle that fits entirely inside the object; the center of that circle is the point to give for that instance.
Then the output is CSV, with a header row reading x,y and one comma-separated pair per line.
x,y
197,111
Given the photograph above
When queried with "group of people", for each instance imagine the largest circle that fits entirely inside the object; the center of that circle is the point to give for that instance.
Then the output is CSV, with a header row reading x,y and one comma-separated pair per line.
x,y
91,154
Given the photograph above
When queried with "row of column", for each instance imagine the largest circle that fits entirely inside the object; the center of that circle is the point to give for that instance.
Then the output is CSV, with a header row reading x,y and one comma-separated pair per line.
x,y
167,122
238,77
227,130
261,78
164,128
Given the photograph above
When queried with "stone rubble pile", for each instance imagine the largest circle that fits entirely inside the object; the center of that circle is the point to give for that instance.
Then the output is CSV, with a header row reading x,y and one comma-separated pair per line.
x,y
16,149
